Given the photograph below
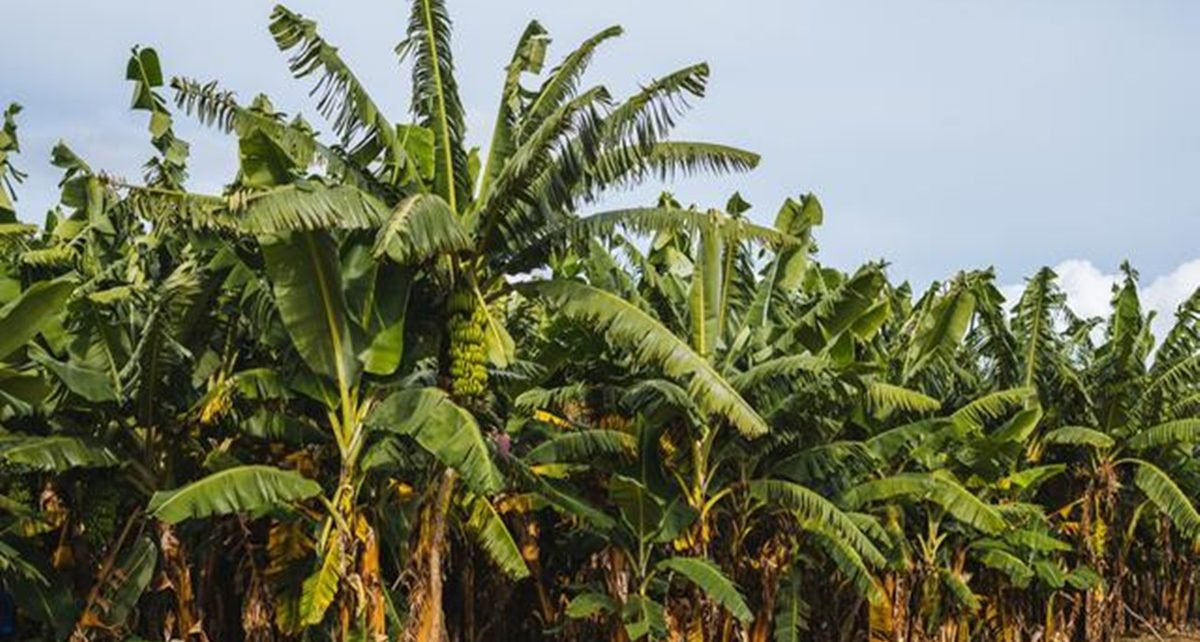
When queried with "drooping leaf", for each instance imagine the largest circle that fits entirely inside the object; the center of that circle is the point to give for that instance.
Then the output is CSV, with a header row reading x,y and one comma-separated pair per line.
x,y
1079,436
319,589
644,618
421,226
649,341
485,523
811,506
791,611
127,582
947,493
443,428
709,578
56,453
991,406
887,396
92,385
847,560
1179,431
242,489
584,446
941,330
1017,571
589,604
1168,497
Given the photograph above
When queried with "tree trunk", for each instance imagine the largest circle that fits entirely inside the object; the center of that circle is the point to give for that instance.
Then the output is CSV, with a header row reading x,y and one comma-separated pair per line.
x,y
427,619
187,623
376,612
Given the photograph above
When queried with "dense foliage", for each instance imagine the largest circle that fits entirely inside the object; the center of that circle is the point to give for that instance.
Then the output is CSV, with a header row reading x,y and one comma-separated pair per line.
x,y
386,387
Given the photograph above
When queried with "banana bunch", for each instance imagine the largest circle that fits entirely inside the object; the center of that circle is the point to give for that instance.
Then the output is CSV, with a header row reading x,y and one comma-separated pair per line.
x,y
100,514
468,352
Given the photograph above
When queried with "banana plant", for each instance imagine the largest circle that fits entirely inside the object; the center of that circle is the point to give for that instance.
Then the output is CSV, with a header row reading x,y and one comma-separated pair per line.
x,y
419,193
700,303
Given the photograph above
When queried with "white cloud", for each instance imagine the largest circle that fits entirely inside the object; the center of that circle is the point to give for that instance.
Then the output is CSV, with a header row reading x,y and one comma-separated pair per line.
x,y
1089,290
1166,292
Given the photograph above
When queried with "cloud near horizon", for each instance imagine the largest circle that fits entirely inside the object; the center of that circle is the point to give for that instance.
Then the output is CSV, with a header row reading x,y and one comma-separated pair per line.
x,y
1089,290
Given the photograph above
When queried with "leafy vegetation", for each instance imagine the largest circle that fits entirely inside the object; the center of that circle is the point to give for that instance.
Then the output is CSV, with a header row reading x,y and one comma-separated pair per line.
x,y
387,387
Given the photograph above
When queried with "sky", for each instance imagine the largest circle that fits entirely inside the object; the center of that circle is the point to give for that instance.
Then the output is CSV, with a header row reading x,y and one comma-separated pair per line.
x,y
938,134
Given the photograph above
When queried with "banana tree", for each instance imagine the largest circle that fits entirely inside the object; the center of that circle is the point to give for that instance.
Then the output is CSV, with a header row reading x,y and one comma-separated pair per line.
x,y
684,330
1133,445
427,203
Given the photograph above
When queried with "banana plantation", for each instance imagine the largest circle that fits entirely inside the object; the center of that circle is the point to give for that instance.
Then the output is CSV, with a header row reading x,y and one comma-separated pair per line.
x,y
386,387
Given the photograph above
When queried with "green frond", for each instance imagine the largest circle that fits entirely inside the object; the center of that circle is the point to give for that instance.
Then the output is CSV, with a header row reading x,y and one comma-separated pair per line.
x,y
422,226
242,489
341,98
9,174
886,397
443,428
1084,577
647,116
568,501
957,585
1179,431
889,443
785,366
319,589
964,505
1168,497
791,611
216,108
22,318
643,221
300,206
1019,427
1032,477
488,528
1177,360
589,604
847,561
13,564
810,506
311,206
528,57
55,453
826,461
664,160
838,310
585,446
306,281
511,195
709,579
148,372
1050,573
659,398
1079,436
940,331
435,99
1033,325
992,338
1017,571
649,342
126,583
562,82
991,407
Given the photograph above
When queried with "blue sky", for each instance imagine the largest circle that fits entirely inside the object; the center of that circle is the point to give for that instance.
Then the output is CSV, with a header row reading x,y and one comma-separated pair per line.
x,y
938,134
